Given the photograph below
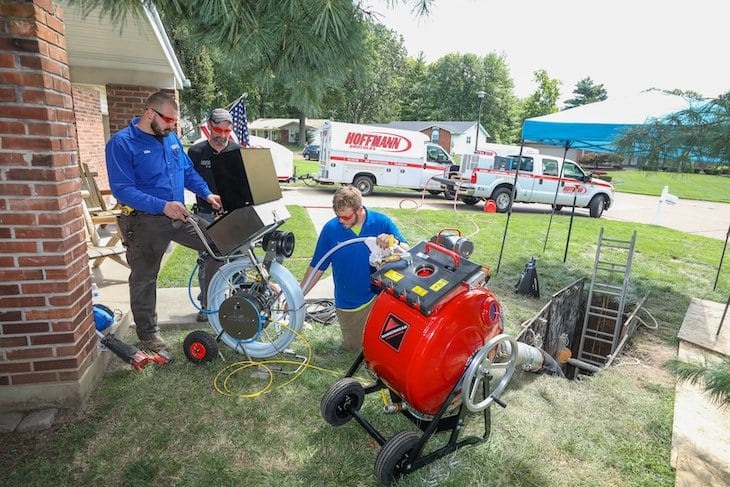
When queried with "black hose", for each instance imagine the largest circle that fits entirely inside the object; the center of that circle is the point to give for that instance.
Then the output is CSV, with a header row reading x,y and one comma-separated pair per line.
x,y
550,366
320,310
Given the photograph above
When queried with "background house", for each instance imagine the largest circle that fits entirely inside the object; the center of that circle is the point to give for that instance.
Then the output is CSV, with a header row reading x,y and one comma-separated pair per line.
x,y
285,131
67,83
454,137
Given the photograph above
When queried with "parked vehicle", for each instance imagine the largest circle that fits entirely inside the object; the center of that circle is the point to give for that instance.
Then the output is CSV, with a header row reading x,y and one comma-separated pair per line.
x,y
366,156
541,179
311,152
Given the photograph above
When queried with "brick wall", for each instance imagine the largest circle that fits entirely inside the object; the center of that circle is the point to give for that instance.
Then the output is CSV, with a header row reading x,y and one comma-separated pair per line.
x,y
127,101
90,130
47,333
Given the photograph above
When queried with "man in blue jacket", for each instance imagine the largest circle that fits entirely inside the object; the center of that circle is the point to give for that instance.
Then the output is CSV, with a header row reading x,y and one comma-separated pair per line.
x,y
148,172
354,295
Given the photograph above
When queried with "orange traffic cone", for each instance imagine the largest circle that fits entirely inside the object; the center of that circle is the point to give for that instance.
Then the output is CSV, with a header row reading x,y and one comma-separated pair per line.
x,y
490,207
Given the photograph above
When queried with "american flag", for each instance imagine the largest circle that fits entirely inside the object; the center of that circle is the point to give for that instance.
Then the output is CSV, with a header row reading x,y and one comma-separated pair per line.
x,y
240,123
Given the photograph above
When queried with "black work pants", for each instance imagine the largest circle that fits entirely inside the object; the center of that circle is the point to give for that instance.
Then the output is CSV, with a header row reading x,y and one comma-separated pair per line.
x,y
146,238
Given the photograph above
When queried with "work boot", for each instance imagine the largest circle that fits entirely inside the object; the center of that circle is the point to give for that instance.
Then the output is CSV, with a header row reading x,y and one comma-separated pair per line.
x,y
155,343
202,317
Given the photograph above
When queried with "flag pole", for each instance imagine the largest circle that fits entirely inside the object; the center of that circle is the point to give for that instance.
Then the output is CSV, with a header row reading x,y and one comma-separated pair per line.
x,y
244,95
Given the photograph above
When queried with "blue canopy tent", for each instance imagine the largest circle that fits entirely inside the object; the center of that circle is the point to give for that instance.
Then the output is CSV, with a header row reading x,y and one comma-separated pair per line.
x,y
595,126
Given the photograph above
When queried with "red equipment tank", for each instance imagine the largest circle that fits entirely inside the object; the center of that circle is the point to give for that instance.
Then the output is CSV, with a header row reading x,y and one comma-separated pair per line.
x,y
420,352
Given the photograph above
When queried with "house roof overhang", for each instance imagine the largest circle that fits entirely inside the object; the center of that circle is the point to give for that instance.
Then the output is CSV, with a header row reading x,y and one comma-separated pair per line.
x,y
139,53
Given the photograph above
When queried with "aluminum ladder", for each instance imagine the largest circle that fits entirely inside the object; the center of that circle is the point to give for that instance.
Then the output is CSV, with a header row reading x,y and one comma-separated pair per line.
x,y
602,324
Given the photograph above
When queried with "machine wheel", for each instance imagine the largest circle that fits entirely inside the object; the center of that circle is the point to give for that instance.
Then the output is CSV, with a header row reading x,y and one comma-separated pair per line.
x,y
200,347
470,200
394,459
484,363
365,184
596,206
502,199
284,308
343,396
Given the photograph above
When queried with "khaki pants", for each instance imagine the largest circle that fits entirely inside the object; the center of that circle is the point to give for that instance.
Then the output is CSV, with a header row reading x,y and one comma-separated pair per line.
x,y
352,324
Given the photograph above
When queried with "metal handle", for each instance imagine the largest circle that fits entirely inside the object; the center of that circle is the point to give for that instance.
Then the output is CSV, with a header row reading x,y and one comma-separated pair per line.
x,y
203,239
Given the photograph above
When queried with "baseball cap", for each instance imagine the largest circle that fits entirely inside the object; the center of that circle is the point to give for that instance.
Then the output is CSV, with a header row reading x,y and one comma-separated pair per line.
x,y
220,115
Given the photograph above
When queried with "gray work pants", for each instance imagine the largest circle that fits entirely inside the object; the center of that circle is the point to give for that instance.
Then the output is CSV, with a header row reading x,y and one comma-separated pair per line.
x,y
146,238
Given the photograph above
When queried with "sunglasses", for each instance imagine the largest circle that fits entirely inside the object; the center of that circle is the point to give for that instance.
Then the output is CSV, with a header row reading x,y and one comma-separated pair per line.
x,y
221,131
347,218
163,117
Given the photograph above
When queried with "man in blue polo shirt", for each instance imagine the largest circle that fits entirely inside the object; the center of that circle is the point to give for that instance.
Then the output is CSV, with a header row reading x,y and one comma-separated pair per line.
x,y
148,172
354,296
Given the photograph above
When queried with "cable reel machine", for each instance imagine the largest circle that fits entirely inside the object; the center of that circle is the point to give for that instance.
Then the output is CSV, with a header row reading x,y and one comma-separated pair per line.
x,y
255,305
434,340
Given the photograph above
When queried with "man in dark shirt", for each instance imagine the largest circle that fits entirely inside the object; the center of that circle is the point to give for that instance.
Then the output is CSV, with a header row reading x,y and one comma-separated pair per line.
x,y
204,155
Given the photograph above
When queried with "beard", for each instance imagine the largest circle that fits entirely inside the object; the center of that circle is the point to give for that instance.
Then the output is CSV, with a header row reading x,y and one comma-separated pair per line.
x,y
219,140
159,131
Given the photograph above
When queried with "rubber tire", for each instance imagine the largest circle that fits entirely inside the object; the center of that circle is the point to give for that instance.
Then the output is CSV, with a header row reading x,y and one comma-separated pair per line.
x,y
343,395
365,184
470,200
557,208
306,157
502,199
449,194
200,347
596,206
391,459
434,192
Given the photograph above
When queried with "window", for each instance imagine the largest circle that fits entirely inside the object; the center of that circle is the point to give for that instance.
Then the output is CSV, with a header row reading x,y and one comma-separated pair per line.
x,y
468,139
571,170
435,134
550,167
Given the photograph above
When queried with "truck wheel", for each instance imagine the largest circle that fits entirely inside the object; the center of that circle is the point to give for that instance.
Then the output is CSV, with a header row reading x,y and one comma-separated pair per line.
x,y
306,157
502,199
470,200
365,184
596,206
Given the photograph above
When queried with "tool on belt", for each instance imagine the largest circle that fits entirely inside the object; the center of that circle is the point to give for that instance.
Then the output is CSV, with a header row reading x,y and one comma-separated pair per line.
x,y
128,210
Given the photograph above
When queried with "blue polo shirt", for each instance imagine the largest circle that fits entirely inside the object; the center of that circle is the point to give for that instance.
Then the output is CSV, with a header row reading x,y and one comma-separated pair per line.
x,y
146,172
350,265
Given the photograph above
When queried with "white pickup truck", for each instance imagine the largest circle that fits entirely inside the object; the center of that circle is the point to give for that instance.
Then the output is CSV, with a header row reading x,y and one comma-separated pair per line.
x,y
492,176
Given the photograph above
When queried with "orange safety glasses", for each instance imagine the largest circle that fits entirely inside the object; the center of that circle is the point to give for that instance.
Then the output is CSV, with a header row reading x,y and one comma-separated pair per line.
x,y
221,131
163,117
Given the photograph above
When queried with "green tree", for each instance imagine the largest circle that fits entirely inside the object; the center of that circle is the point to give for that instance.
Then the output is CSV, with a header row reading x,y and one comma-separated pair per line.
x,y
680,141
586,91
500,110
545,99
371,89
413,104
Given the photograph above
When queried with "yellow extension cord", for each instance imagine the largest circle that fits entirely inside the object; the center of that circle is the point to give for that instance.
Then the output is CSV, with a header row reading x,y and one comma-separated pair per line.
x,y
231,370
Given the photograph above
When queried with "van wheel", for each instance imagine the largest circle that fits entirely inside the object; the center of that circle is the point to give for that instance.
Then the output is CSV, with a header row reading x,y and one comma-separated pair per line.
x,y
470,200
557,207
596,206
365,184
502,199
434,192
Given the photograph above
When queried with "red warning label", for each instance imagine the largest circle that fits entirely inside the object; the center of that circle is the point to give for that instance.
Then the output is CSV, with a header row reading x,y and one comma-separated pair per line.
x,y
393,332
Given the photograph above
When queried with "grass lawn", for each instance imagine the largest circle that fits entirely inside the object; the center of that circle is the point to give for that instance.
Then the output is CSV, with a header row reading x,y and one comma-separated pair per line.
x,y
687,186
169,426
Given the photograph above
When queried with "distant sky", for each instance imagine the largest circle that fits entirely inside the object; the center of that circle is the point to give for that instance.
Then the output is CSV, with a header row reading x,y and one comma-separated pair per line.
x,y
626,45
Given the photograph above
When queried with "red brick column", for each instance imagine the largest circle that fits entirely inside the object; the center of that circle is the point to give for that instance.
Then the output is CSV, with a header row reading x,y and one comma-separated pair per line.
x,y
47,342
